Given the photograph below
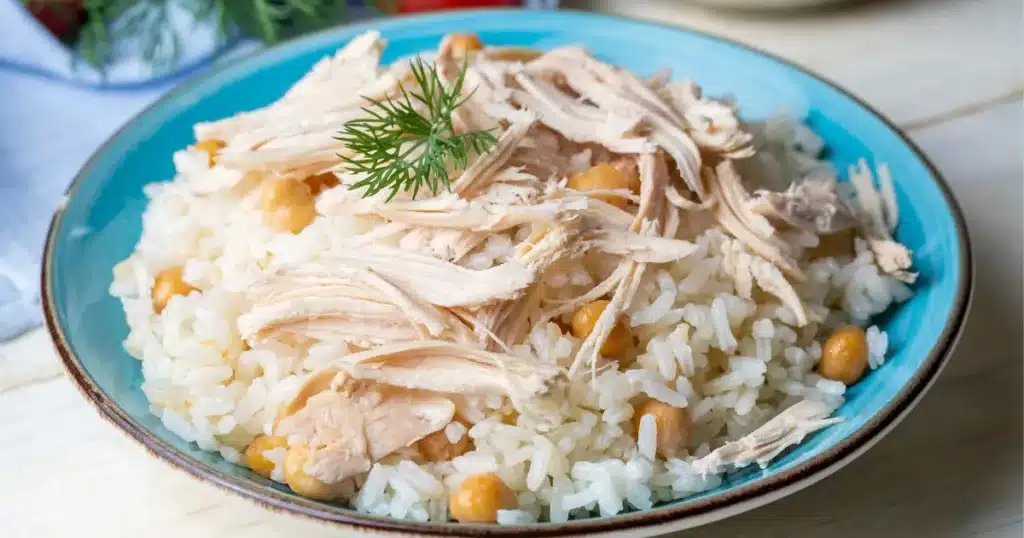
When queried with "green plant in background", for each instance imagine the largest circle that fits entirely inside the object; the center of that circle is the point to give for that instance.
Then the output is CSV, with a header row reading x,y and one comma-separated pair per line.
x,y
113,28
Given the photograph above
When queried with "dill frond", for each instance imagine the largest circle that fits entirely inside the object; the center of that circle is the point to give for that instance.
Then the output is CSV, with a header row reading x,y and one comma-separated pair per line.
x,y
400,148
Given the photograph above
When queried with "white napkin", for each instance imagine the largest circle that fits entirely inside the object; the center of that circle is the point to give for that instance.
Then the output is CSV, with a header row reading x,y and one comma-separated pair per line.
x,y
54,112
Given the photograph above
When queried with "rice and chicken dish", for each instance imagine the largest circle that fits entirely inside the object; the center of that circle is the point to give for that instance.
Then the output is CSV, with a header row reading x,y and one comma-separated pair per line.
x,y
495,285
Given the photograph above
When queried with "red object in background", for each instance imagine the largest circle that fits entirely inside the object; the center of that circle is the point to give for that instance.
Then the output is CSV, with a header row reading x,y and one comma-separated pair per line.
x,y
59,17
409,6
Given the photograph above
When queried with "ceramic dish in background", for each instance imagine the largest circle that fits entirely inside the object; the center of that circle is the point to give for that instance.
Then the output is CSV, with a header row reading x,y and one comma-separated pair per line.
x,y
770,5
101,221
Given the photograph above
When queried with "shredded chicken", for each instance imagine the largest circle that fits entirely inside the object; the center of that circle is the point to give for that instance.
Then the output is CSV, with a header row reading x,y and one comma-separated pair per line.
x,y
576,121
893,259
763,444
500,323
438,297
746,269
450,367
731,208
314,384
280,140
433,280
642,248
338,82
879,217
616,90
354,423
474,179
372,403
450,244
811,206
649,216
453,211
356,305
713,124
541,154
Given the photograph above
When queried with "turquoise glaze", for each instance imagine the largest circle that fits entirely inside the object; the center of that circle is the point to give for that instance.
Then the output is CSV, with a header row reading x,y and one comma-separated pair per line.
x,y
102,219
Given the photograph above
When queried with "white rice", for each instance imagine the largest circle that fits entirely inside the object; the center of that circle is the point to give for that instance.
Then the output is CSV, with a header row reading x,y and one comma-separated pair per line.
x,y
878,345
515,517
455,431
704,345
646,437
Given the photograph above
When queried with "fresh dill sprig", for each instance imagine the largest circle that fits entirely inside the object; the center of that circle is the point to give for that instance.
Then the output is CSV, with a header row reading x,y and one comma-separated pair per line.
x,y
400,148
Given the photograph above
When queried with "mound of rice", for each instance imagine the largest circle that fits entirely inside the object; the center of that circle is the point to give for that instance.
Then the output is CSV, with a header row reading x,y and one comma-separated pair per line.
x,y
733,359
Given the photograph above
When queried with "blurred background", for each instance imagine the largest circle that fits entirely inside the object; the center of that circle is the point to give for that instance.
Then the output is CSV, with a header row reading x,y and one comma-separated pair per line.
x,y
948,72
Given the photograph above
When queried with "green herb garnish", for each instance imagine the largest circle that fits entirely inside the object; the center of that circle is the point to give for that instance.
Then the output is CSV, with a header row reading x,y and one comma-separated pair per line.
x,y
400,148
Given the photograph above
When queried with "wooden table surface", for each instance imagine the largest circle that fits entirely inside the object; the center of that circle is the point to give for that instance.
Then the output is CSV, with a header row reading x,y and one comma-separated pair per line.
x,y
948,71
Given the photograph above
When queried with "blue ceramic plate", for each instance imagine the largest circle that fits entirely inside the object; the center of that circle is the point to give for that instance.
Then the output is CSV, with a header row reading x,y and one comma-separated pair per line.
x,y
101,222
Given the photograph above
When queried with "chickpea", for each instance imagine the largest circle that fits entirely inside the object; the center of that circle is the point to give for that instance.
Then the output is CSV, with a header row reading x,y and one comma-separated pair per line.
x,y
254,457
619,339
603,177
436,446
321,182
513,54
844,357
511,419
211,146
479,498
167,284
463,44
288,205
301,482
833,246
673,426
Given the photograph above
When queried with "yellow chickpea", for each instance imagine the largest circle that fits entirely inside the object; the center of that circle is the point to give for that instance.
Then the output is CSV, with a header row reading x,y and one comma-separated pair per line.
x,y
844,357
167,284
288,205
479,498
513,54
619,340
321,182
436,446
604,177
255,458
211,146
463,44
833,245
673,426
301,482
511,419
